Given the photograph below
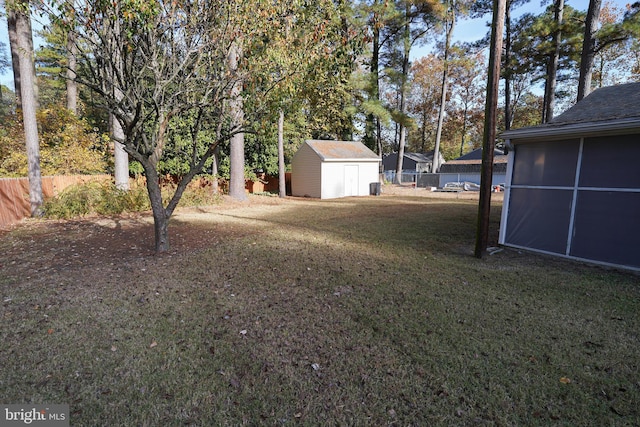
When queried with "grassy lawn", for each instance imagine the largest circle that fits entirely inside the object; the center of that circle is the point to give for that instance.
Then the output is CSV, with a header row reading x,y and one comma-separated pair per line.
x,y
366,311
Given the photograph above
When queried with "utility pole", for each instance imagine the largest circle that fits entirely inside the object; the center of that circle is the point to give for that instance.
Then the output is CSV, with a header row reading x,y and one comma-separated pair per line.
x,y
490,119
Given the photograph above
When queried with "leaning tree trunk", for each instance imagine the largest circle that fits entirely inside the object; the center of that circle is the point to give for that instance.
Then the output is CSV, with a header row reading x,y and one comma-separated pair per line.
x,y
588,48
24,49
282,181
445,80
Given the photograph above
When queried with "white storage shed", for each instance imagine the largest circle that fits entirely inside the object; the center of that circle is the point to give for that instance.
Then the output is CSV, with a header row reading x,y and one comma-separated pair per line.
x,y
331,169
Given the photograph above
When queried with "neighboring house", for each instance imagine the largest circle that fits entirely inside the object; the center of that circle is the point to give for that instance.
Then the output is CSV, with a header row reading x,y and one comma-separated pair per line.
x,y
467,168
573,184
330,169
411,162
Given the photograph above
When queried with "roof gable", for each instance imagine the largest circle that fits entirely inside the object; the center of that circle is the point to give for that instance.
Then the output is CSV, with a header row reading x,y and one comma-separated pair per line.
x,y
341,150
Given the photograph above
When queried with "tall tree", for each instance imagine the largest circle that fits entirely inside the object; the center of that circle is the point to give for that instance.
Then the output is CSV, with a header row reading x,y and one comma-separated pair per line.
x,y
552,68
467,80
588,48
415,22
237,179
481,8
72,86
597,38
22,52
380,14
426,75
453,7
404,83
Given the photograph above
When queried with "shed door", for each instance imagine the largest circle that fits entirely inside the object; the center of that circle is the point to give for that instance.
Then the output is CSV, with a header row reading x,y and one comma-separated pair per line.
x,y
351,180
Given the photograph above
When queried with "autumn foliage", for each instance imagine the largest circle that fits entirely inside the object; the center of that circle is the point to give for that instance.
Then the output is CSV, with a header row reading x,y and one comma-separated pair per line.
x,y
68,145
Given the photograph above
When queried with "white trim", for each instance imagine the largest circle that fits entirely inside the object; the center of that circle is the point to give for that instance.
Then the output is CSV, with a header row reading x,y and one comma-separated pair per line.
x,y
574,199
575,130
502,235
574,258
597,189
366,159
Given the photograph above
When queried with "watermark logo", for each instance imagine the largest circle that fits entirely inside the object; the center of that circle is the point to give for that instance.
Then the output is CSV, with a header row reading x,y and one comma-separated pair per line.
x,y
34,415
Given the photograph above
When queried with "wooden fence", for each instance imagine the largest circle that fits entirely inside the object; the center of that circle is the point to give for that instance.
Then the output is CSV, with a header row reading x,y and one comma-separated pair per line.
x,y
14,194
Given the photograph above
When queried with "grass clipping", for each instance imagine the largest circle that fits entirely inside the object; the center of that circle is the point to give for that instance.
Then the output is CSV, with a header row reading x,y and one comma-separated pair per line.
x,y
367,311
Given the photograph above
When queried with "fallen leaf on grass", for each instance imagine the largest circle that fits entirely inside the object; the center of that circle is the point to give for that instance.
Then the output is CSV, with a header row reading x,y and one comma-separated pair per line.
x,y
565,380
153,344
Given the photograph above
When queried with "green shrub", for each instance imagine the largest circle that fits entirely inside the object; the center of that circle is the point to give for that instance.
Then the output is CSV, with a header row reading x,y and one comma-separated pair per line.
x,y
74,201
96,197
104,198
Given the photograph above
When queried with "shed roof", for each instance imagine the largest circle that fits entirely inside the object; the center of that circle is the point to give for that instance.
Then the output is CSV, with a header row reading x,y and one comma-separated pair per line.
x,y
606,111
342,150
461,165
477,154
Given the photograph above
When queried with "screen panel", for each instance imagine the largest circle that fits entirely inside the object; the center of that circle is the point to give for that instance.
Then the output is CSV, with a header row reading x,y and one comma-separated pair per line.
x,y
546,163
607,227
539,219
611,162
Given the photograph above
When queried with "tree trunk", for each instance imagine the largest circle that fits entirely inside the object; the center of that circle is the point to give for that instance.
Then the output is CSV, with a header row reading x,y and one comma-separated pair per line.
x,y
403,93
27,79
120,156
488,140
552,69
588,48
214,172
372,138
282,182
237,180
15,57
450,25
507,74
160,217
464,124
72,86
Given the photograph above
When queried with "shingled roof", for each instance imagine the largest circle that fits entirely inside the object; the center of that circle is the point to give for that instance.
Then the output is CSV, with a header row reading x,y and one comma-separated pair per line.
x,y
341,150
608,110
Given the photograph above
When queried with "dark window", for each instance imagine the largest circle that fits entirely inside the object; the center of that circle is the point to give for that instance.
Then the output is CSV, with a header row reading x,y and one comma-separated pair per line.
x,y
546,163
539,219
611,162
607,227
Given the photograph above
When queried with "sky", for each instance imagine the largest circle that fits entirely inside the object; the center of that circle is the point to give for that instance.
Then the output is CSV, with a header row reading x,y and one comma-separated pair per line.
x,y
465,31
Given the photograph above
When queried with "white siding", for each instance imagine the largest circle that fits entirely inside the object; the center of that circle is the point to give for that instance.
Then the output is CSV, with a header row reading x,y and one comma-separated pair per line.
x,y
334,174
306,173
311,176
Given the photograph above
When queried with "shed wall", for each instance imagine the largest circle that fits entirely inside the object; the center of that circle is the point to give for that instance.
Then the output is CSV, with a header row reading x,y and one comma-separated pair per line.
x,y
306,173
